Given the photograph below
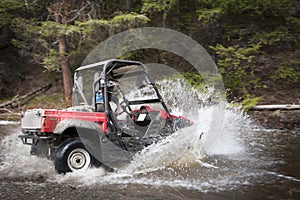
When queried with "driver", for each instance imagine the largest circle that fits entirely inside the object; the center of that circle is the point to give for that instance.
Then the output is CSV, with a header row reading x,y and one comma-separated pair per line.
x,y
112,97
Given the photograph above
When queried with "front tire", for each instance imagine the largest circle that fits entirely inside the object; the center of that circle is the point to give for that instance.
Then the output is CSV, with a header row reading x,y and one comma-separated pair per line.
x,y
71,156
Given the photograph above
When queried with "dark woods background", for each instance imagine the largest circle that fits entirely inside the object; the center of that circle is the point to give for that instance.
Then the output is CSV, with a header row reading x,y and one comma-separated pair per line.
x,y
255,43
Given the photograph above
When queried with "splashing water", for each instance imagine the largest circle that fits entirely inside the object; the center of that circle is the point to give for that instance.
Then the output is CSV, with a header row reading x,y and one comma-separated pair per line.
x,y
184,159
15,160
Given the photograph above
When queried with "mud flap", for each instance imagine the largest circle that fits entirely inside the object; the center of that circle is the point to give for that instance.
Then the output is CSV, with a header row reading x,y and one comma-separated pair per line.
x,y
41,148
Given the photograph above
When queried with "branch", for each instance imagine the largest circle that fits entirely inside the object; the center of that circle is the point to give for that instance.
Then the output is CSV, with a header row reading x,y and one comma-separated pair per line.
x,y
78,13
5,110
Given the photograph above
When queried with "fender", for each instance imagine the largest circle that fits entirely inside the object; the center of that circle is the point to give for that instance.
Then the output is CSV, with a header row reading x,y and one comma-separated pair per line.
x,y
76,123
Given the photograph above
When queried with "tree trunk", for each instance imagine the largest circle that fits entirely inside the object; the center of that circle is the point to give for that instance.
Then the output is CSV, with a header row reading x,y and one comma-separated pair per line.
x,y
60,9
65,68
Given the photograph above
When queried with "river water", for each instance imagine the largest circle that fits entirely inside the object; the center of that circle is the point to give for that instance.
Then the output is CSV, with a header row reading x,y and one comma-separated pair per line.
x,y
248,162
224,155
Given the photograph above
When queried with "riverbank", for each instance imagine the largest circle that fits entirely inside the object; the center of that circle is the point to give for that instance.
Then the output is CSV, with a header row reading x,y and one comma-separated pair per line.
x,y
278,119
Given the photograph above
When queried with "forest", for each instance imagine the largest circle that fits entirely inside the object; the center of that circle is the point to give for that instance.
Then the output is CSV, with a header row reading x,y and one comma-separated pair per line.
x,y
255,43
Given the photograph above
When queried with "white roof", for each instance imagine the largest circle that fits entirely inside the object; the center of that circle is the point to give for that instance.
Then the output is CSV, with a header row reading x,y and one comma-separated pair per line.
x,y
105,62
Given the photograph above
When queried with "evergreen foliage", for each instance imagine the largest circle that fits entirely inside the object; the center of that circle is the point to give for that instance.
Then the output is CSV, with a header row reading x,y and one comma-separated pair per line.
x,y
239,33
7,10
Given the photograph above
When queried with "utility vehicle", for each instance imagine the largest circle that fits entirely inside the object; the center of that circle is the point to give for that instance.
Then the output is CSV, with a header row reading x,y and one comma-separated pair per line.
x,y
117,111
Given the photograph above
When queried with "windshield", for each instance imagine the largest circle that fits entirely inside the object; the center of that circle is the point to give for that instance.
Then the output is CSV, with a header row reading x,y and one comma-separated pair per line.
x,y
137,88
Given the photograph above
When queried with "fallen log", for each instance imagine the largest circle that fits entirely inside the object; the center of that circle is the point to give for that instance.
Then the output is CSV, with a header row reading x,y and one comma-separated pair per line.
x,y
5,110
21,100
274,107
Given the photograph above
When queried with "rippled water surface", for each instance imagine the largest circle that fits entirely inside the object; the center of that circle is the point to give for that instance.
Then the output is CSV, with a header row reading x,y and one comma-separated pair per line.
x,y
251,164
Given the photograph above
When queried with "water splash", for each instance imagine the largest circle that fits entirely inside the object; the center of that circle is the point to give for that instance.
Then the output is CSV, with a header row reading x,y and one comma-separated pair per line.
x,y
15,160
179,148
217,123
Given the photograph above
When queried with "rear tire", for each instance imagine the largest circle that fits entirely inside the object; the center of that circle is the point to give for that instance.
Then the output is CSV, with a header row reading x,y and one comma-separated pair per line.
x,y
71,156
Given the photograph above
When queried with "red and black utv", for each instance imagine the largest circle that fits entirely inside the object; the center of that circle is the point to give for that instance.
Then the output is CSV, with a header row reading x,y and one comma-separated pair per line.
x,y
117,111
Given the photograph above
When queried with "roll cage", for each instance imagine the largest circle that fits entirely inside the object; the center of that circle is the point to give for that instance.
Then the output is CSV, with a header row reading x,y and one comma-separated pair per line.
x,y
92,78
